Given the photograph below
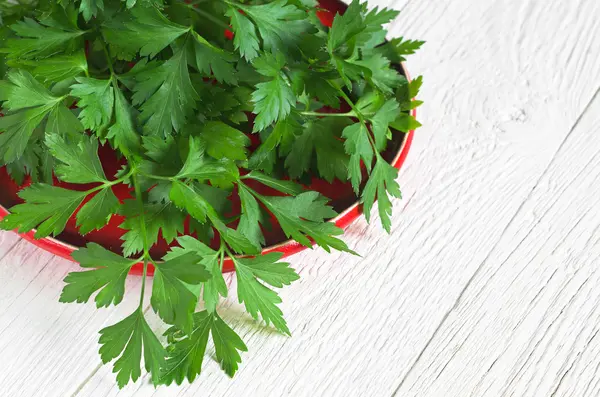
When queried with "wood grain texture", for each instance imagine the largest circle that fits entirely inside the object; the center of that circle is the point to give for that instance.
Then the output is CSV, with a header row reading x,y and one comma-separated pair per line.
x,y
486,286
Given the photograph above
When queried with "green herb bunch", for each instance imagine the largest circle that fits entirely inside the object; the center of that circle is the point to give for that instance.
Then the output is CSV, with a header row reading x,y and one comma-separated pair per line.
x,y
175,88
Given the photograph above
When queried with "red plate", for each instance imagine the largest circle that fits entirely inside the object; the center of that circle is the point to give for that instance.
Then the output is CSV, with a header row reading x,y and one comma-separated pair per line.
x,y
343,198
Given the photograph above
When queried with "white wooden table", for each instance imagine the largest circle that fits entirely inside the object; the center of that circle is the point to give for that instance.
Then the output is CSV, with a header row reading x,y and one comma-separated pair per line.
x,y
489,283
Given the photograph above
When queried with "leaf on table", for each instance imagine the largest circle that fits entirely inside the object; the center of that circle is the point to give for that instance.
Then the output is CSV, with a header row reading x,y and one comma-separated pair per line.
x,y
212,260
126,340
186,355
257,298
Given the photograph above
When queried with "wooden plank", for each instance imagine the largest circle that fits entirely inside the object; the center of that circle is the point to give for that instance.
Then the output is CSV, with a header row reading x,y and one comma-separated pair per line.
x,y
48,348
506,82
7,242
528,324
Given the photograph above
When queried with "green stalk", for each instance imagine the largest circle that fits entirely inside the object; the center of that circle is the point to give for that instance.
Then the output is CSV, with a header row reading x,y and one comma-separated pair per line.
x,y
144,233
358,114
317,114
208,16
106,185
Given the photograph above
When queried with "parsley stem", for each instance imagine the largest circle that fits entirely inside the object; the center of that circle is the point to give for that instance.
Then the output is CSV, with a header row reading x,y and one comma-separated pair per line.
x,y
208,16
358,114
144,276
108,58
106,185
144,233
318,114
222,254
162,178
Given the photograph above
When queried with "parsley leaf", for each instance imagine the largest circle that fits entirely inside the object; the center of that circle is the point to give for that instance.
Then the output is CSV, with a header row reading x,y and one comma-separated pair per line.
x,y
81,163
90,8
287,187
245,39
212,260
345,26
281,25
157,217
169,95
212,59
388,113
50,207
187,197
28,103
171,298
255,295
108,277
273,99
41,40
305,216
404,47
320,137
96,99
223,141
126,340
359,148
59,68
381,74
186,355
250,218
148,32
96,213
381,183
123,132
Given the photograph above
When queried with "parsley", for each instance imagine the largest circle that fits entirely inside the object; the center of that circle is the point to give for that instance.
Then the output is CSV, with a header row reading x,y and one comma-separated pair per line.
x,y
160,84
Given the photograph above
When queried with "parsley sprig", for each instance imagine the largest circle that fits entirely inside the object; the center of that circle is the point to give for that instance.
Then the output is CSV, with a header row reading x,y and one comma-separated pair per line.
x,y
175,88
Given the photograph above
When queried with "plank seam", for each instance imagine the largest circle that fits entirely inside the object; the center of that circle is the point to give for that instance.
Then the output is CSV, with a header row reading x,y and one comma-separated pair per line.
x,y
481,265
